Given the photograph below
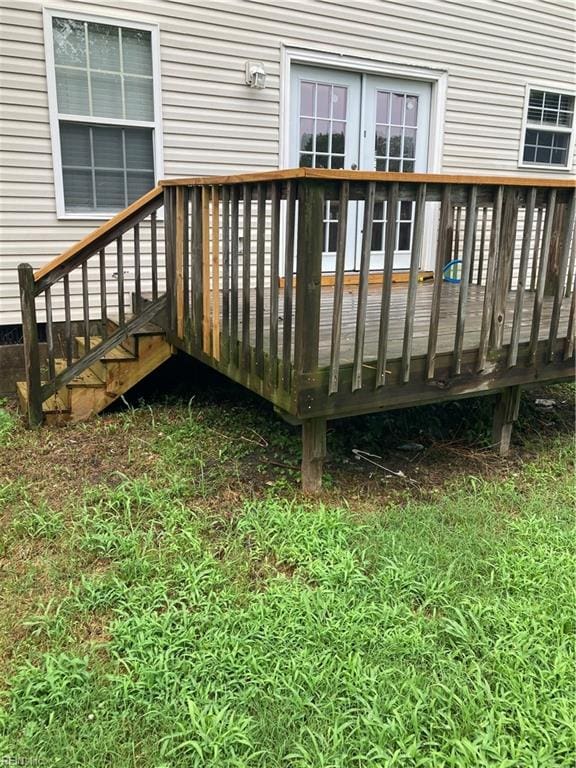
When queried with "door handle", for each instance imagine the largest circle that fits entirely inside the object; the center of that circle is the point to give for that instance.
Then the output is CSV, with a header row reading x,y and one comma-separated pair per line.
x,y
354,167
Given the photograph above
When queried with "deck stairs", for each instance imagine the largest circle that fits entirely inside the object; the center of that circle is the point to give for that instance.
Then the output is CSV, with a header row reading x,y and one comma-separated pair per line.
x,y
106,379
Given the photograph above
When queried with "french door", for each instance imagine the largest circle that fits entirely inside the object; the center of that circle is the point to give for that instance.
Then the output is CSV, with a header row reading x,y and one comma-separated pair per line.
x,y
355,121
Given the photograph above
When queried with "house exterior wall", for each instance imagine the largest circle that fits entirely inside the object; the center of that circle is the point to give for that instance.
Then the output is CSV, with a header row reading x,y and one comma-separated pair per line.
x,y
214,123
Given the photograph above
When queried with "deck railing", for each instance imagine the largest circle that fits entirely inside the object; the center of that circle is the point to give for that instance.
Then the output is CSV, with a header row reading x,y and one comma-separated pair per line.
x,y
245,276
91,288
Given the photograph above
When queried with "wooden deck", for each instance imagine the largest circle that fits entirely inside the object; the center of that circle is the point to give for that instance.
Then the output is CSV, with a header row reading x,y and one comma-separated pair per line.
x,y
422,313
241,258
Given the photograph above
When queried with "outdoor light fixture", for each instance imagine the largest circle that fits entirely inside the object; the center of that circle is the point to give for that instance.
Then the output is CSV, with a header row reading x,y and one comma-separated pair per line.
x,y
255,75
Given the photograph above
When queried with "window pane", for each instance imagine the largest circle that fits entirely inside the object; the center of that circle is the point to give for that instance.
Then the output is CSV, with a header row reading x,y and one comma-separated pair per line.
x,y
382,107
139,184
69,42
531,137
110,190
75,145
139,150
104,47
307,134
397,113
324,99
108,151
543,155
72,91
137,51
307,99
536,99
338,137
106,95
529,154
78,190
404,231
559,156
339,103
139,98
411,110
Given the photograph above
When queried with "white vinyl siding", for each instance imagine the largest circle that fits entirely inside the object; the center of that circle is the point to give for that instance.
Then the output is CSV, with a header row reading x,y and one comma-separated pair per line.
x,y
214,123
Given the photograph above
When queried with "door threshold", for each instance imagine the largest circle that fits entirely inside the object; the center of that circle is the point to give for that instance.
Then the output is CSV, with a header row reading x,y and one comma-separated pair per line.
x,y
374,278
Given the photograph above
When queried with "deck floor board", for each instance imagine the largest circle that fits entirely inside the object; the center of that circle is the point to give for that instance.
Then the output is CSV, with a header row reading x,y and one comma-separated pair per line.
x,y
446,328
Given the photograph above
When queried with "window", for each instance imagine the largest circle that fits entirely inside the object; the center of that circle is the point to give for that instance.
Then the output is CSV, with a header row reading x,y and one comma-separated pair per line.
x,y
105,122
548,129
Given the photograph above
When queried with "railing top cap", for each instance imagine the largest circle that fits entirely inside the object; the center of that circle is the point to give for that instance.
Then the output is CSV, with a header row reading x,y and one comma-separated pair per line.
x,y
345,175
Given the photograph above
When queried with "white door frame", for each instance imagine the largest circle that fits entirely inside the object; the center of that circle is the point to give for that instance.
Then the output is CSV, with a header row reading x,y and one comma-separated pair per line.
x,y
328,59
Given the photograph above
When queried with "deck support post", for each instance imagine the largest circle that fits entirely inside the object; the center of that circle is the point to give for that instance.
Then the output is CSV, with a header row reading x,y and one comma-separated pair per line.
x,y
505,414
313,454
31,349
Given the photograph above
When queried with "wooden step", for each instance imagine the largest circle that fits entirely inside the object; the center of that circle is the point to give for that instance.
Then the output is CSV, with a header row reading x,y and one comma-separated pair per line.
x,y
55,409
118,353
88,378
150,329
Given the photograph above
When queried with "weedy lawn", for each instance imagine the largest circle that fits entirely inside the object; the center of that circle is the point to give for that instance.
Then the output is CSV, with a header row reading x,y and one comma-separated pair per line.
x,y
170,600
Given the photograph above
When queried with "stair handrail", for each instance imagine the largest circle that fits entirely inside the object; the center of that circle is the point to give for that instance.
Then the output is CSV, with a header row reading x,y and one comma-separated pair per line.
x,y
103,235
34,283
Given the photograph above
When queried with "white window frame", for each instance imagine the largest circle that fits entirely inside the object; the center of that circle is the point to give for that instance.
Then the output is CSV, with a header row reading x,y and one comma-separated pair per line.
x,y
56,117
543,127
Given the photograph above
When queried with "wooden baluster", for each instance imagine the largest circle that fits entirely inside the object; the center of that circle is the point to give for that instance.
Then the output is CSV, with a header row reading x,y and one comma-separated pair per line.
x,y
234,276
457,222
68,322
85,307
216,273
154,254
339,288
570,334
30,339
415,260
206,323
226,273
137,270
169,257
537,235
177,222
120,276
541,282
487,308
522,275
183,249
571,265
363,284
309,277
196,256
482,245
504,264
564,238
50,334
288,283
389,248
442,247
275,193
246,276
260,257
467,256
103,294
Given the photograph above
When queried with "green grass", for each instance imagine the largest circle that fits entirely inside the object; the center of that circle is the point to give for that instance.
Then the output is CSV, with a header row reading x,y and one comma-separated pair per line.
x,y
184,621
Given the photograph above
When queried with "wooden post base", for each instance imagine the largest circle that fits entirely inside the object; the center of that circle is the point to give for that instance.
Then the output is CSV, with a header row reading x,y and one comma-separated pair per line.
x,y
505,414
313,454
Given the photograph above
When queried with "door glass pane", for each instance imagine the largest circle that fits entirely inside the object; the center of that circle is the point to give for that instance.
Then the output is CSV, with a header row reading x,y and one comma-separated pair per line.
x,y
322,125
395,131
